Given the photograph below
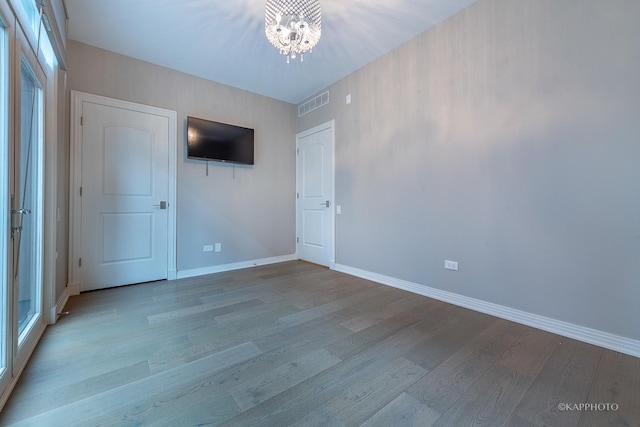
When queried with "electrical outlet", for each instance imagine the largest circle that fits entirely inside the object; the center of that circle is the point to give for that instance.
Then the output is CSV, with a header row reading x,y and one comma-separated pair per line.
x,y
207,248
218,247
451,265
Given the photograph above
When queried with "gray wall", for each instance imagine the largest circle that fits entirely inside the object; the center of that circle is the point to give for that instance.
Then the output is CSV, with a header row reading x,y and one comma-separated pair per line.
x,y
506,138
250,210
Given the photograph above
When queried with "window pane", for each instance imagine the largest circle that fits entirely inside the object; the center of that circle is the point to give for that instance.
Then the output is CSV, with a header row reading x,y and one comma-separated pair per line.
x,y
30,8
38,28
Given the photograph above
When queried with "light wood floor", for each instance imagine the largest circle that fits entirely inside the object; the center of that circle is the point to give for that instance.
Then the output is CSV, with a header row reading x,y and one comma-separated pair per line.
x,y
296,344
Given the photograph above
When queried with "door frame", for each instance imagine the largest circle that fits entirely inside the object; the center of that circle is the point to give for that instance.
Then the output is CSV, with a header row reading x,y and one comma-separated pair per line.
x,y
332,188
7,380
75,201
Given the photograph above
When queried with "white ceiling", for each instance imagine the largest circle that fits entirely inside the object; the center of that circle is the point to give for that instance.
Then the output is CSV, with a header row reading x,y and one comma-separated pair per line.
x,y
224,41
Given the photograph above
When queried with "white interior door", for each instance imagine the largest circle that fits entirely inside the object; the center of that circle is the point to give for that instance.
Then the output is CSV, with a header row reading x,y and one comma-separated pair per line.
x,y
124,196
314,216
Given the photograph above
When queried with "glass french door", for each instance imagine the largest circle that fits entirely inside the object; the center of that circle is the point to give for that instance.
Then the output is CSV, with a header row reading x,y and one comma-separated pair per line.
x,y
21,191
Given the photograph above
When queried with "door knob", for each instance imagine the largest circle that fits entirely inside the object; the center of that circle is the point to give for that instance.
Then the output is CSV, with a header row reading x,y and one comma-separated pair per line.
x,y
162,205
326,204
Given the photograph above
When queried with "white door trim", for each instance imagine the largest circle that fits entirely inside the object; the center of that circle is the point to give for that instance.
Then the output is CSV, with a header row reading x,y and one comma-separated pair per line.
x,y
77,98
332,234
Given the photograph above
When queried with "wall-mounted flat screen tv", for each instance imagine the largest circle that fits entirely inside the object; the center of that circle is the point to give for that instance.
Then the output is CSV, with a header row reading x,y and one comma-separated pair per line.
x,y
221,142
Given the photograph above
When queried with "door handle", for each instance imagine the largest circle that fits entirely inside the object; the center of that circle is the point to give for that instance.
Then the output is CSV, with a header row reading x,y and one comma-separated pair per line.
x,y
17,228
162,205
326,204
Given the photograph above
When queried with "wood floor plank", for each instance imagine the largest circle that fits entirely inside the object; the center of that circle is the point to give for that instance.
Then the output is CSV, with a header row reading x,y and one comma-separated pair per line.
x,y
320,310
450,380
361,400
384,309
263,387
405,411
268,361
328,291
303,292
325,329
131,403
445,335
80,366
566,377
318,418
197,309
245,315
54,394
357,342
214,338
248,328
530,351
208,411
490,400
617,381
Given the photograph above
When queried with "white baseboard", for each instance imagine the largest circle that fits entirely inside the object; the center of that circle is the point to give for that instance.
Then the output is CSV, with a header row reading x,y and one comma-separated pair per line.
x,y
591,336
62,301
183,274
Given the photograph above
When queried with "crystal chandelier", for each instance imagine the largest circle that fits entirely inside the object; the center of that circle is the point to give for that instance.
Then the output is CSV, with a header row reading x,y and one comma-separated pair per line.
x,y
293,26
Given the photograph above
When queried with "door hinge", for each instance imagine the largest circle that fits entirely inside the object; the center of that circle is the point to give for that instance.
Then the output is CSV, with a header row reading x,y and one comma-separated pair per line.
x,y
81,120
297,151
80,191
79,262
297,240
297,195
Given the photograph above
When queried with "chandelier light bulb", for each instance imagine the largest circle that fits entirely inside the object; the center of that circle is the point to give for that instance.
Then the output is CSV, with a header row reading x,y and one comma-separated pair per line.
x,y
293,26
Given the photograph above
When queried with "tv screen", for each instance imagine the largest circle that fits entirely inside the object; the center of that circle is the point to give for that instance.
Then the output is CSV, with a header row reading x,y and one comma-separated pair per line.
x,y
208,140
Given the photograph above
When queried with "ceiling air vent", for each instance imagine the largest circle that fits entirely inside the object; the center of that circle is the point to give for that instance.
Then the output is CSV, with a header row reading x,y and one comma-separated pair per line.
x,y
313,104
